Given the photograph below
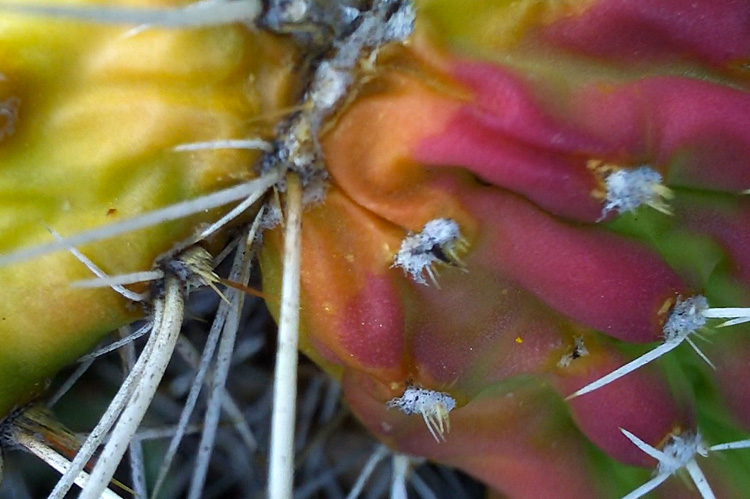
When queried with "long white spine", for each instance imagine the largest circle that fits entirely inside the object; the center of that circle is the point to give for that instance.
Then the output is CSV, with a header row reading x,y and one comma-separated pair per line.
x,y
281,472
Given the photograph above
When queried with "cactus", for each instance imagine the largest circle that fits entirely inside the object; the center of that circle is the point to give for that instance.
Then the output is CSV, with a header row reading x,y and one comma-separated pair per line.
x,y
522,219
570,143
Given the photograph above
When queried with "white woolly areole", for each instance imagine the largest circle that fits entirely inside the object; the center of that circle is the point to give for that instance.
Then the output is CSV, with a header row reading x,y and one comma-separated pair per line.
x,y
420,401
334,76
418,252
385,21
272,216
628,189
433,406
293,11
680,451
686,318
379,27
440,231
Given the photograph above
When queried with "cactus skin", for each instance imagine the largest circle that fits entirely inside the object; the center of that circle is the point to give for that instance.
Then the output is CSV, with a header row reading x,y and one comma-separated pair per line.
x,y
522,96
98,116
492,117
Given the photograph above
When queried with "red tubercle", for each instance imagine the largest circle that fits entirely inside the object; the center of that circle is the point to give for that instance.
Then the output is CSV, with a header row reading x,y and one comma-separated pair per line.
x,y
640,402
712,31
510,440
479,329
505,103
696,132
371,326
507,136
559,183
601,280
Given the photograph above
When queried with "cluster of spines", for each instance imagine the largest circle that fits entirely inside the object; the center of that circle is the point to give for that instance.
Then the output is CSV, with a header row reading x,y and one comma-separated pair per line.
x,y
679,453
433,406
687,317
439,242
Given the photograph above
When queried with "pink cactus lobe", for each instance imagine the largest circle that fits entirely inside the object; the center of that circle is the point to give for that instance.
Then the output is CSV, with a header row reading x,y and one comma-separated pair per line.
x,y
559,183
505,103
640,400
372,325
715,31
603,280
480,329
695,130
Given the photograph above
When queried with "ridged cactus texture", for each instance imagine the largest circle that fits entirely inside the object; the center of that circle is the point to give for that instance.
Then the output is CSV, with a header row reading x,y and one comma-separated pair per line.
x,y
593,157
535,212
90,119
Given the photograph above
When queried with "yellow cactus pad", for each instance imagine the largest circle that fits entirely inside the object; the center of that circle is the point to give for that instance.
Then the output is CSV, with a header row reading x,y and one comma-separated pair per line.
x,y
90,116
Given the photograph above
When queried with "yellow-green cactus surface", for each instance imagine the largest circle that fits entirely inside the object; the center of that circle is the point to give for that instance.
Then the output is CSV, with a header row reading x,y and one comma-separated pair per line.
x,y
90,117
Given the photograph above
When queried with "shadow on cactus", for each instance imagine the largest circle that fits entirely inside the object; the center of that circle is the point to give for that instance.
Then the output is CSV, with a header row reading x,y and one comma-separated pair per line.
x,y
525,249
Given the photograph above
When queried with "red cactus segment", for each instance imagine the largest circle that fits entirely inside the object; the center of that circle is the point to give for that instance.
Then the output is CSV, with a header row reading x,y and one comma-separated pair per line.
x,y
352,310
479,329
640,402
558,183
602,280
638,30
505,138
698,130
505,103
517,441
408,150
